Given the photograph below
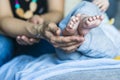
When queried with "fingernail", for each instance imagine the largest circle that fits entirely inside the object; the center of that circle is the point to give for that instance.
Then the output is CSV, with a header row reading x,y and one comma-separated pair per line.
x,y
18,37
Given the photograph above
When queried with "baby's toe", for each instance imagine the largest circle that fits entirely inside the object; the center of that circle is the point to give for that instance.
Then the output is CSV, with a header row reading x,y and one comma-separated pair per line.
x,y
94,17
97,17
87,22
101,17
90,19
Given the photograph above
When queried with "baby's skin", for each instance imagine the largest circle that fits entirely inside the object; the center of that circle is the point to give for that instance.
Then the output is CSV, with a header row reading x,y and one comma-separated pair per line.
x,y
81,24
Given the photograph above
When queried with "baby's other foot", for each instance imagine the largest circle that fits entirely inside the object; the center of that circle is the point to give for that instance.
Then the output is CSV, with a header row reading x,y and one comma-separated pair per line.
x,y
89,22
71,28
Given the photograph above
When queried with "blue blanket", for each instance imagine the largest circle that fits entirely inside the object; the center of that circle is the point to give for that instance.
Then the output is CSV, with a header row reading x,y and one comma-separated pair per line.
x,y
46,66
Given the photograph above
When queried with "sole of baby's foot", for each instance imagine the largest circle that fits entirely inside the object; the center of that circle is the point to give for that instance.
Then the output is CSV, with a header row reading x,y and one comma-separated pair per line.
x,y
89,22
71,28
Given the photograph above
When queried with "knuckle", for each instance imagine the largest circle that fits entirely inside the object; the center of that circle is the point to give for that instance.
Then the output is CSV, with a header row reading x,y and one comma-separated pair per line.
x,y
56,46
45,33
77,47
67,50
52,40
64,49
72,50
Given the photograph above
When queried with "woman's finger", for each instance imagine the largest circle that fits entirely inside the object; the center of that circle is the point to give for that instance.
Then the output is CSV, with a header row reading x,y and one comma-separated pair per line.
x,y
57,45
68,39
71,48
26,40
68,44
20,41
48,35
100,5
53,28
61,40
97,2
32,40
103,8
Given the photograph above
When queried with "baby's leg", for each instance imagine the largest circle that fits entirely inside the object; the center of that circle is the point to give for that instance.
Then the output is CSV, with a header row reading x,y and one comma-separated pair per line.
x,y
99,42
88,22
22,28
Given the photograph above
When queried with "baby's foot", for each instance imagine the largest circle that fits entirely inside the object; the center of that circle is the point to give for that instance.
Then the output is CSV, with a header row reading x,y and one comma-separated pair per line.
x,y
88,22
71,28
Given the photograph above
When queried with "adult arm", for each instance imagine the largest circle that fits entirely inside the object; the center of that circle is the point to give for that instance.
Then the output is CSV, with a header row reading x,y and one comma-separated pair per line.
x,y
55,11
11,26
54,14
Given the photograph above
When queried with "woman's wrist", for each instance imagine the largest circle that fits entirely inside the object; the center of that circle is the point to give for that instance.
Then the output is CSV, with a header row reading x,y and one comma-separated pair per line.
x,y
34,30
39,30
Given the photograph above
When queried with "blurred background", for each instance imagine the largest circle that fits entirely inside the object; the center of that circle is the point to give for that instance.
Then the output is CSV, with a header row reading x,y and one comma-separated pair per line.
x,y
117,17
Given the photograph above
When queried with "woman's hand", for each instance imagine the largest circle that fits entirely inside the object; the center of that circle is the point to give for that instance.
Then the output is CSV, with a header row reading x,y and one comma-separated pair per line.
x,y
24,40
68,43
102,4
